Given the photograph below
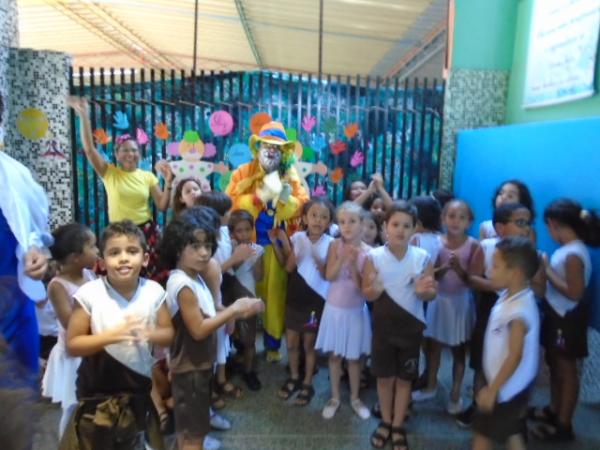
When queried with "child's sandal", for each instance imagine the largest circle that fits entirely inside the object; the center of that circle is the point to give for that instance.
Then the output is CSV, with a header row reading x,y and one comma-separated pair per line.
x,y
378,438
306,394
216,401
229,389
400,443
544,414
554,433
289,387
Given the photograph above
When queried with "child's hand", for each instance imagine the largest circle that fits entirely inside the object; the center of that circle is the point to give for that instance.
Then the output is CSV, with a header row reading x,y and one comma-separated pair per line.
x,y
246,307
36,263
133,328
374,283
425,286
164,169
486,399
79,104
274,235
454,262
377,180
242,252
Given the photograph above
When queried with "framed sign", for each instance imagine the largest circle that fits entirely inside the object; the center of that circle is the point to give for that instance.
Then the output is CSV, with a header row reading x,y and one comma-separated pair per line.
x,y
563,44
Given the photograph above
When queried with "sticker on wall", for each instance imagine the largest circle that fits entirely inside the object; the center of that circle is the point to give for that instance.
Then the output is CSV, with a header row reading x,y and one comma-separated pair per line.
x,y
337,175
308,123
32,123
52,150
161,131
141,137
351,130
239,154
101,137
209,150
221,123
258,120
121,122
338,147
357,158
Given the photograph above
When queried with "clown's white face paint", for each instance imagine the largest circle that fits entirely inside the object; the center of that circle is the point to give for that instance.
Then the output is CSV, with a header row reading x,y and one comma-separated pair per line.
x,y
269,157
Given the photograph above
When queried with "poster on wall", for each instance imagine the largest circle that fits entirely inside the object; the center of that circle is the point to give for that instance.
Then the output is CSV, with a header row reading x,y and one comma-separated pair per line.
x,y
563,44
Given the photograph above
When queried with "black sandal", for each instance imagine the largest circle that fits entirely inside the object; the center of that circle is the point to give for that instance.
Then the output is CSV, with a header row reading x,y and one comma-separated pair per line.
x,y
289,387
544,414
400,443
306,394
554,433
378,439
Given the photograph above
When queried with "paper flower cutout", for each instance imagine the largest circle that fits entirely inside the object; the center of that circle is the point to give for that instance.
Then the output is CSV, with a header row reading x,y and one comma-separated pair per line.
x,y
308,123
173,148
338,147
101,137
258,120
141,137
337,175
191,136
351,130
161,131
209,150
221,123
121,120
357,158
319,191
330,125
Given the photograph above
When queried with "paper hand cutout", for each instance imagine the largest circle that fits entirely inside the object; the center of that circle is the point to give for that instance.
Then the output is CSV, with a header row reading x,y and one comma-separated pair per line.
x,y
141,137
101,137
357,158
308,123
161,131
121,121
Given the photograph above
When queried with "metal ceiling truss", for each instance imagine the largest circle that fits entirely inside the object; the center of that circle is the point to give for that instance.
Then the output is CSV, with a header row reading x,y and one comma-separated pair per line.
x,y
99,20
246,25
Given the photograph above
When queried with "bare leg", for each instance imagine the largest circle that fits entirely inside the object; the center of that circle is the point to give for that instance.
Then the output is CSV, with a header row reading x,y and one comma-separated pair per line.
x,y
293,343
335,373
516,442
310,356
433,364
569,389
354,369
221,378
385,393
480,442
458,371
401,401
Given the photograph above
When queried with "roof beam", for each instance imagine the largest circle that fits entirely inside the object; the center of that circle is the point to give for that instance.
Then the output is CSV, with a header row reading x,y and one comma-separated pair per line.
x,y
245,24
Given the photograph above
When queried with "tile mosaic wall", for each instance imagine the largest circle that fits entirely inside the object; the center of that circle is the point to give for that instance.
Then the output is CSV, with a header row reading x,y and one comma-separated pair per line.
x,y
9,37
474,99
38,126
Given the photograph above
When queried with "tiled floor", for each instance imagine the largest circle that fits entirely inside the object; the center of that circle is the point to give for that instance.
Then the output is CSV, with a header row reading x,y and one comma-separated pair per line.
x,y
263,422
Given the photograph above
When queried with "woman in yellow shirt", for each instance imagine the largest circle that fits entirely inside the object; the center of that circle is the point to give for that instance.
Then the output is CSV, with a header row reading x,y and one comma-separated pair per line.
x,y
128,187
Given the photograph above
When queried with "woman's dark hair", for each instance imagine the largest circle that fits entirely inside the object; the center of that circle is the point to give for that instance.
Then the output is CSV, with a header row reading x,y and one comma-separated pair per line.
x,y
401,206
323,201
181,232
519,251
178,206
461,202
503,213
442,196
122,228
348,187
205,213
368,215
429,212
369,202
69,239
525,197
219,201
585,223
238,216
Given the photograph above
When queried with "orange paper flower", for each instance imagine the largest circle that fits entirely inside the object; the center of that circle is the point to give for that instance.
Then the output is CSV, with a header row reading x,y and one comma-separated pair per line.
x,y
101,137
161,131
337,175
351,130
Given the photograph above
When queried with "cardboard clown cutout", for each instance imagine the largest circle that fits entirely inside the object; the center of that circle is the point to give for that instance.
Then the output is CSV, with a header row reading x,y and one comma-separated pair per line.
x,y
270,189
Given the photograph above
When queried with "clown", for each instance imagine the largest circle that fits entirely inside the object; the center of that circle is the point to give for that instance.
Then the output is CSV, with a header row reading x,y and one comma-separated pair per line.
x,y
271,190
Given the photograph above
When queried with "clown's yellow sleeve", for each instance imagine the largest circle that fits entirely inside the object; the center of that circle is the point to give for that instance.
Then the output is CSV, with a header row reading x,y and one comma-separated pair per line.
x,y
238,175
293,207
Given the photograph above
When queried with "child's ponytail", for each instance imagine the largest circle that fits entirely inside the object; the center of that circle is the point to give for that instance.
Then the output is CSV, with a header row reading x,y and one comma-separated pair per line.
x,y
585,223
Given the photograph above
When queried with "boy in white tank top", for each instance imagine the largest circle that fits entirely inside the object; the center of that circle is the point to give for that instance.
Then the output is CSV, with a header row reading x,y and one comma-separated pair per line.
x,y
511,347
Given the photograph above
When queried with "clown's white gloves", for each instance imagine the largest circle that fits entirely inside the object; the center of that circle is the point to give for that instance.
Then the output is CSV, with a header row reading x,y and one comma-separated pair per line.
x,y
286,191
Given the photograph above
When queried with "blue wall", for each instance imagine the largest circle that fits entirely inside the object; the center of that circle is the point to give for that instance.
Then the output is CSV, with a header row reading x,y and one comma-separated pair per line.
x,y
554,159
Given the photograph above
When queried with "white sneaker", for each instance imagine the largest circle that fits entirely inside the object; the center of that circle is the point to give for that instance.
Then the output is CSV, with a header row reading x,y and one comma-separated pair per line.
x,y
422,395
360,409
210,443
219,422
454,408
331,408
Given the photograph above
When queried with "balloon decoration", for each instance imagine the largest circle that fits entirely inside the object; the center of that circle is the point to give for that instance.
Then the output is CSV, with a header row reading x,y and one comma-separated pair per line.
x,y
32,123
258,120
239,154
221,123
209,150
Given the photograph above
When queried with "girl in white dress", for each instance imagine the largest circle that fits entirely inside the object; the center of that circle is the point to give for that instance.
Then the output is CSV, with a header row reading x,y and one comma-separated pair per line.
x,y
76,253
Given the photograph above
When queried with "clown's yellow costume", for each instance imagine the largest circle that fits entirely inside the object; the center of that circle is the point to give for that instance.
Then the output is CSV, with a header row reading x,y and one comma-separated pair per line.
x,y
270,189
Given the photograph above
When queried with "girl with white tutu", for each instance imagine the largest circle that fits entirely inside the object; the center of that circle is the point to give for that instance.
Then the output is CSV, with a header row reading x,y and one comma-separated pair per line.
x,y
76,253
345,330
451,317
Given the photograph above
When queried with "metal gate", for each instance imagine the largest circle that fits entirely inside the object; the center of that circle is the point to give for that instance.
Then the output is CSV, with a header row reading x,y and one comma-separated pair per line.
x,y
354,125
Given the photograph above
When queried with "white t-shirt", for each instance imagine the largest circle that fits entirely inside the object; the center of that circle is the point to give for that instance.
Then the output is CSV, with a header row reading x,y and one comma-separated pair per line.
x,y
224,247
305,262
559,302
245,272
178,279
489,247
398,276
521,306
487,230
430,242
108,309
46,319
